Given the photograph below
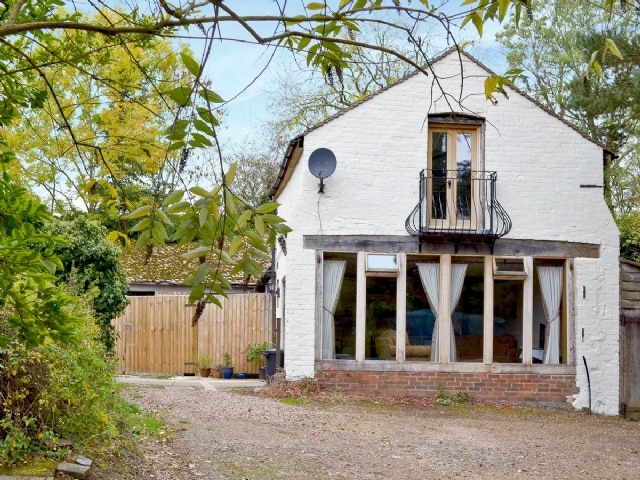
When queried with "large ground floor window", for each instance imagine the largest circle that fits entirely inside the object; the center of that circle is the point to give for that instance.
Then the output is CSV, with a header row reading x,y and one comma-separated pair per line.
x,y
443,308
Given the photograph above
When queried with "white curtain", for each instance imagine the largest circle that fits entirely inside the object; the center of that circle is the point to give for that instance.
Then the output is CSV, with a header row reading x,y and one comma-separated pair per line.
x,y
331,286
430,278
458,272
550,279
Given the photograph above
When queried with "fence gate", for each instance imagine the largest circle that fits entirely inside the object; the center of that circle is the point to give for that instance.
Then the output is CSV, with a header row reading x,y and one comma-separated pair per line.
x,y
157,334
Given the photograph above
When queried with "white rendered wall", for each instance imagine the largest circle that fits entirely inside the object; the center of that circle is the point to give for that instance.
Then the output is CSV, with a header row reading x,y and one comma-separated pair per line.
x,y
381,146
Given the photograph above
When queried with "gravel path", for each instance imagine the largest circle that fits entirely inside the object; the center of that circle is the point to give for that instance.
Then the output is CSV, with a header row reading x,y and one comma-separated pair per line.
x,y
223,435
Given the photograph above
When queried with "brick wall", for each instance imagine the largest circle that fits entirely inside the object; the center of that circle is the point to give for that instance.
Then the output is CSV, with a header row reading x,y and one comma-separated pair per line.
x,y
503,387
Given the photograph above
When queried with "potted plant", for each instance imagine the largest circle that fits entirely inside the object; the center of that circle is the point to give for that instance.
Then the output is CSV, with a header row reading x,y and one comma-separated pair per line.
x,y
216,370
254,353
204,364
227,369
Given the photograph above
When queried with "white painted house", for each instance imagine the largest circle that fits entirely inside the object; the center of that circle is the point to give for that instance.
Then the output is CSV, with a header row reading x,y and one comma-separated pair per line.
x,y
460,245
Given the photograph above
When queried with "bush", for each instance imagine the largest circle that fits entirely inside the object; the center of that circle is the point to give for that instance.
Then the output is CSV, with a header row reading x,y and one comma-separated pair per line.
x,y
56,391
92,266
254,353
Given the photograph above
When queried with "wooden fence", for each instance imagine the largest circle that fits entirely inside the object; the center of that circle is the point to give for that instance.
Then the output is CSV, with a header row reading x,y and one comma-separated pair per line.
x,y
156,334
630,339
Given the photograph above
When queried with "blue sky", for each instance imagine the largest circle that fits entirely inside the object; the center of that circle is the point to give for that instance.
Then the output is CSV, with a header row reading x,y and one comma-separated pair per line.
x,y
235,66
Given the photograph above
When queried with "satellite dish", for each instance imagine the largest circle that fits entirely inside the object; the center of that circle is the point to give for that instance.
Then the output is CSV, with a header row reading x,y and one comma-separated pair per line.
x,y
322,164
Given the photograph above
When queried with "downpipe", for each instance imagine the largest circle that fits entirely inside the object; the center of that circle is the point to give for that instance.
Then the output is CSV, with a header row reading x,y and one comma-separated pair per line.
x,y
588,381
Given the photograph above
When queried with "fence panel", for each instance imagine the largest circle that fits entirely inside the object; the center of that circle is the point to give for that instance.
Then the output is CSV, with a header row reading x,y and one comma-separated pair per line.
x,y
156,335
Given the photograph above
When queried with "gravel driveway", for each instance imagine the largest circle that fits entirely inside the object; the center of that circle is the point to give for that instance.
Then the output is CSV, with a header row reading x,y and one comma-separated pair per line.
x,y
225,435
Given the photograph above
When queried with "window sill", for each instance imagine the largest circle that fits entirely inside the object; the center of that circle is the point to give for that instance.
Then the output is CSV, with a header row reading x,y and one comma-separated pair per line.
x,y
459,367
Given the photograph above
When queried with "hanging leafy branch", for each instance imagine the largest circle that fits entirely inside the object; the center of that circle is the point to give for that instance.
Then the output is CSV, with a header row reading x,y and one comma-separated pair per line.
x,y
38,35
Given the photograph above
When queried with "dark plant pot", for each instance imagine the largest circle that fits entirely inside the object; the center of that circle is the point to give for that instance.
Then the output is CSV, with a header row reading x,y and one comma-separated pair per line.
x,y
216,373
204,372
227,372
262,373
241,375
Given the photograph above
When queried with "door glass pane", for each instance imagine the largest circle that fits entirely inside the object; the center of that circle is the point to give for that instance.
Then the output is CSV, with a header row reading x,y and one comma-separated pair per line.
x,y
420,318
345,315
547,332
439,175
507,321
463,183
380,330
468,315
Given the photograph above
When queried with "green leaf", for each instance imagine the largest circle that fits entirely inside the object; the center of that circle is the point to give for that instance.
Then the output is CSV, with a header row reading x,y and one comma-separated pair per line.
x,y
229,202
191,65
504,7
207,117
139,212
173,197
197,292
177,208
316,5
163,217
196,252
235,245
143,239
267,207
303,42
610,46
201,273
210,96
141,225
230,174
179,145
203,127
259,224
203,216
598,68
200,141
180,95
478,22
490,85
159,233
201,192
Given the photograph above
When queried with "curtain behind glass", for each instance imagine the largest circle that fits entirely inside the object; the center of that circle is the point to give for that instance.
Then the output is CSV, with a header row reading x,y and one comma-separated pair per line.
x,y
550,279
458,272
430,278
331,285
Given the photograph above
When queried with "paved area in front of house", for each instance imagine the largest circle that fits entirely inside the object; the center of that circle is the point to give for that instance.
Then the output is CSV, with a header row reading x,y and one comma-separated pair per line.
x,y
207,383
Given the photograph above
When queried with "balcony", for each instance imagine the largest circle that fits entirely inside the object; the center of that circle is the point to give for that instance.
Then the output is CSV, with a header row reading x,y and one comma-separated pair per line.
x,y
458,205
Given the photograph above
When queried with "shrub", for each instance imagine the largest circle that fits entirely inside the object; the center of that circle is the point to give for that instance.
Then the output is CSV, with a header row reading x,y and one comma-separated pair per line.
x,y
56,391
254,353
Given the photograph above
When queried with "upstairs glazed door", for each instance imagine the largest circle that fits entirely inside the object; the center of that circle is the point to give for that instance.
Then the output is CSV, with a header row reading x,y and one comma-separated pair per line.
x,y
453,153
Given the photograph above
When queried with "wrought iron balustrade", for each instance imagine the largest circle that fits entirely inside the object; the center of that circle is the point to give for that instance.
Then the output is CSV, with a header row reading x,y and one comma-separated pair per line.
x,y
456,204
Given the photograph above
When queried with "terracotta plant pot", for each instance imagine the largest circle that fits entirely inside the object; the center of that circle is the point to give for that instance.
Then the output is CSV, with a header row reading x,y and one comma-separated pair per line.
x,y
216,373
204,372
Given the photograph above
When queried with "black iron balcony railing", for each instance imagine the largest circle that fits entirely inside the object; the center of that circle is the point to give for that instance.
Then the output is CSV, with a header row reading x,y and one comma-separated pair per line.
x,y
457,204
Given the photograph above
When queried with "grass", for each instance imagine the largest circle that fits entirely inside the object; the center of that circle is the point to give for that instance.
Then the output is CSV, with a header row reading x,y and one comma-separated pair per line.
x,y
294,401
141,423
35,468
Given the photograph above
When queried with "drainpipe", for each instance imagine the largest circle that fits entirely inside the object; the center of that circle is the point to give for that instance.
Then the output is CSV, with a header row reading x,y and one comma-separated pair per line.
x,y
588,381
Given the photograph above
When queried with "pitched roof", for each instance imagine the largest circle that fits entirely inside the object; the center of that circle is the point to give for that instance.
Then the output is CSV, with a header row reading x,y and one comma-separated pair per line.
x,y
166,265
294,151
